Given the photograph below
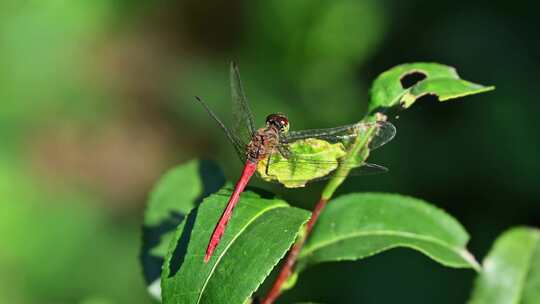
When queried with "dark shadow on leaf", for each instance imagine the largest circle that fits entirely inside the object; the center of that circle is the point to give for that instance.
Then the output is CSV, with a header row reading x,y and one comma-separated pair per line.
x,y
179,253
181,248
410,79
212,179
152,236
261,192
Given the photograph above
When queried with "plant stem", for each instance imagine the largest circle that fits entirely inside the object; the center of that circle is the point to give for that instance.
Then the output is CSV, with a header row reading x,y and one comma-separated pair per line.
x,y
345,167
328,191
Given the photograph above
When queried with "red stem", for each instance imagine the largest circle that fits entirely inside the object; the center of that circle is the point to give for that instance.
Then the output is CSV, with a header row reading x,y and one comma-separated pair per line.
x,y
286,268
248,171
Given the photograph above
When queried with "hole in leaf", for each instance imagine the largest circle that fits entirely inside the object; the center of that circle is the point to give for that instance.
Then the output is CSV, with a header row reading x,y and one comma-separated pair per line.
x,y
430,97
412,78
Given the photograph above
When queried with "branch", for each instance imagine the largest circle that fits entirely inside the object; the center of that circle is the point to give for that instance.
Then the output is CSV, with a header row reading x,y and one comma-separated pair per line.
x,y
329,190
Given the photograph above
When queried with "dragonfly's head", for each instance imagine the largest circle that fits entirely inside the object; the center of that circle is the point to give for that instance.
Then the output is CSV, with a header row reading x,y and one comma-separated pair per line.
x,y
279,121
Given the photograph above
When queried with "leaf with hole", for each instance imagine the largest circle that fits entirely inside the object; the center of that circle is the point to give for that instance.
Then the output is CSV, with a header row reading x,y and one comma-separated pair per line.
x,y
511,270
257,237
404,84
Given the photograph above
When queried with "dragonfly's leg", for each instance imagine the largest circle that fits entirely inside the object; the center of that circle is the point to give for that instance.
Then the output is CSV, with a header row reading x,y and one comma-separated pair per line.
x,y
284,151
266,170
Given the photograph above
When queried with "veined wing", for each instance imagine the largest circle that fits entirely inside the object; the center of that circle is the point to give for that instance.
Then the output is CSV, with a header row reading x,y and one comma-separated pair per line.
x,y
239,144
316,170
309,155
382,132
364,169
312,161
243,125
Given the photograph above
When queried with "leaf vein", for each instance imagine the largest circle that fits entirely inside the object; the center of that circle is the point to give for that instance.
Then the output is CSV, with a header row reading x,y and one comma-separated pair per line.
x,y
281,205
381,232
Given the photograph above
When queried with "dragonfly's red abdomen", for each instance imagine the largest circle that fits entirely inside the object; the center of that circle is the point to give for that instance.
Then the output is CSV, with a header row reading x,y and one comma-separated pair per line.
x,y
249,169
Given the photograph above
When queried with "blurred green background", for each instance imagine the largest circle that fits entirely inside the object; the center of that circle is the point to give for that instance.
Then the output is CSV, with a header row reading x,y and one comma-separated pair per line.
x,y
96,102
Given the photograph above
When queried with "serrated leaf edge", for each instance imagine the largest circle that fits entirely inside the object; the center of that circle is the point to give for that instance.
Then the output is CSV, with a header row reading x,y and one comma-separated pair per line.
x,y
225,250
285,252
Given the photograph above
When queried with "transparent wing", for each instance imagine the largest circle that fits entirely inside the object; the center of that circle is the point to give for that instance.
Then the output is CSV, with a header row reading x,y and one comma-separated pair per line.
x,y
243,125
365,169
316,154
239,145
383,132
295,170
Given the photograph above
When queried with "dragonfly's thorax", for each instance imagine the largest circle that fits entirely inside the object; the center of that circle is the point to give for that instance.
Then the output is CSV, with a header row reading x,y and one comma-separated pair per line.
x,y
262,143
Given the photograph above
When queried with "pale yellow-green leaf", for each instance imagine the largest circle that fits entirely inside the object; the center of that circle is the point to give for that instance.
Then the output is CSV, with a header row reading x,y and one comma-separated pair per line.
x,y
313,158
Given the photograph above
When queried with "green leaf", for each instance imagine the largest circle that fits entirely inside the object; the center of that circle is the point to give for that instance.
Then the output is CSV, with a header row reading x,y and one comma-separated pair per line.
x,y
174,195
357,226
259,234
402,85
296,174
511,270
180,188
96,301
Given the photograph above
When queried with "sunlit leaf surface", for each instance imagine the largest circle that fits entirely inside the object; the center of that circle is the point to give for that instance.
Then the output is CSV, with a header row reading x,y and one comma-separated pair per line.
x,y
511,270
357,226
293,173
258,235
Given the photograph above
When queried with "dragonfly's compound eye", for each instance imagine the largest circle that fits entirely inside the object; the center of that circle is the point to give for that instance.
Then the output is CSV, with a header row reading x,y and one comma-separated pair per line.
x,y
280,121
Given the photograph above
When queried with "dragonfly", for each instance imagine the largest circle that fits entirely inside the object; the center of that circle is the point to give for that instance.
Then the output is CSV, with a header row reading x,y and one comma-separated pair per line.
x,y
292,158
